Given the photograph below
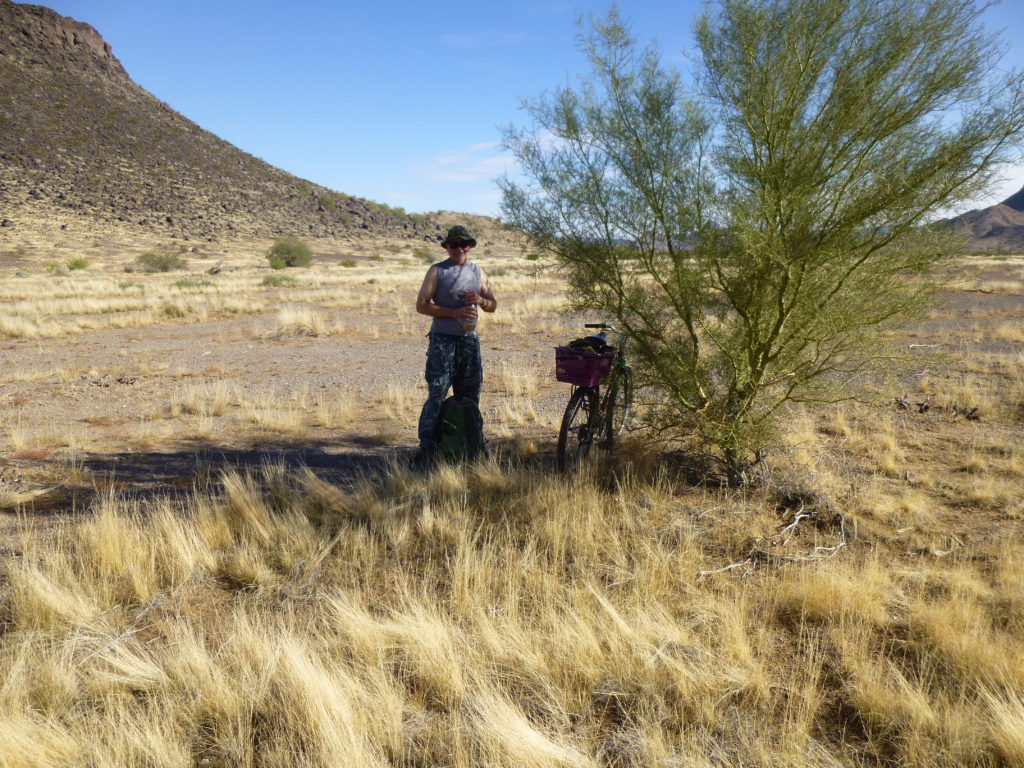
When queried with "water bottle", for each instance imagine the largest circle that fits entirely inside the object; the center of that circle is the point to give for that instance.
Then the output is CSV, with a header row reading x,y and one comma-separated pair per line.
x,y
468,323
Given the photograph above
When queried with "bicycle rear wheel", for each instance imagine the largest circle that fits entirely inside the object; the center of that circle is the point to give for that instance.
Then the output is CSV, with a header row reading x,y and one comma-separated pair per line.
x,y
577,431
616,405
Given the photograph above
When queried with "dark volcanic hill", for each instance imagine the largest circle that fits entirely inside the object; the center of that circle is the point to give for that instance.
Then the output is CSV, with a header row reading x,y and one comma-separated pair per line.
x,y
79,138
996,228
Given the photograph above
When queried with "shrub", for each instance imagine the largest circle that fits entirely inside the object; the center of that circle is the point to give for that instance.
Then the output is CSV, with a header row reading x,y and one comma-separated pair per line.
x,y
278,281
79,263
175,310
532,256
347,262
327,202
775,208
289,252
161,261
187,284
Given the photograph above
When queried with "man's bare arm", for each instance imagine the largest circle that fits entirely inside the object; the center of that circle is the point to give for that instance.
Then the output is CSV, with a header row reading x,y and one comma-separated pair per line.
x,y
490,304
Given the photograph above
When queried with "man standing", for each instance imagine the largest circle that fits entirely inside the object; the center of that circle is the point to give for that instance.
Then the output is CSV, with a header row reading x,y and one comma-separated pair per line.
x,y
451,292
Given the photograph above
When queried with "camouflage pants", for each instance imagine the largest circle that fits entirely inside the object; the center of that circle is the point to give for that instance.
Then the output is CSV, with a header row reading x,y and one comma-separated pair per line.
x,y
452,361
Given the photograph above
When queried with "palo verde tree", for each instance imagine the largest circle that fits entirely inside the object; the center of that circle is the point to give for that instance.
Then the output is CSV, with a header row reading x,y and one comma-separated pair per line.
x,y
756,232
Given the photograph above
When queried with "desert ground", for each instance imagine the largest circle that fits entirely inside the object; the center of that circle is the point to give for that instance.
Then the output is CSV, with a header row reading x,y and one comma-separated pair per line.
x,y
214,553
133,375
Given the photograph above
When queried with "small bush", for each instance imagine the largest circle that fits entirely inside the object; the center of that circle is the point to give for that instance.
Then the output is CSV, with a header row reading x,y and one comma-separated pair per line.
x,y
532,256
278,281
347,262
425,255
375,257
79,263
127,286
187,284
161,261
289,252
326,202
175,310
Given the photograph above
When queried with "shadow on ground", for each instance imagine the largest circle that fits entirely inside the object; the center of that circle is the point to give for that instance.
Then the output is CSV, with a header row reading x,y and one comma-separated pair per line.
x,y
70,484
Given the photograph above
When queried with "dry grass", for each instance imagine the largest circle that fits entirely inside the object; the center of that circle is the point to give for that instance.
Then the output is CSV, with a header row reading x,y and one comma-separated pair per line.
x,y
494,617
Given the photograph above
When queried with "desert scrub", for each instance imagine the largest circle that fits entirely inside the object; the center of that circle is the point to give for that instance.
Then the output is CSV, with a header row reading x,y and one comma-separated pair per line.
x,y
161,261
289,252
187,284
347,263
79,263
278,281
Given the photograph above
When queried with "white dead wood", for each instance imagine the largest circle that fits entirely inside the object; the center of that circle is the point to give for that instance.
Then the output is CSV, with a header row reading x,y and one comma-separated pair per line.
x,y
761,550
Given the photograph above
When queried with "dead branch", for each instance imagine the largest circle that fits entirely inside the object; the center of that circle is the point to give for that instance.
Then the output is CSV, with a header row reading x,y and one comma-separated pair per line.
x,y
760,551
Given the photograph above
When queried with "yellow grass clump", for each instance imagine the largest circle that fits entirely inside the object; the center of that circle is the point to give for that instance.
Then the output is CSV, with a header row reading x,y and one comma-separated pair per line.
x,y
493,615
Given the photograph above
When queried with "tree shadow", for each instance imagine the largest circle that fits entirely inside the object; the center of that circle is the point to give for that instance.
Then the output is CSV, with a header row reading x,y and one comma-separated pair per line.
x,y
72,484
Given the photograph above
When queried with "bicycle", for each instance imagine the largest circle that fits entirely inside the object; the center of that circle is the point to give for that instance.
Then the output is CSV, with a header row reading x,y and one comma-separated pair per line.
x,y
592,415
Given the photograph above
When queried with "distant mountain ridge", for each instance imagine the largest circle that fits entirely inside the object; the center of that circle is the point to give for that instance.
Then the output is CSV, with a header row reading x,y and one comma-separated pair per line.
x,y
79,138
999,227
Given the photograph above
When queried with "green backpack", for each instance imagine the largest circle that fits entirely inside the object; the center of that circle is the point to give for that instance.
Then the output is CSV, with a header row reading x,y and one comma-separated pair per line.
x,y
461,430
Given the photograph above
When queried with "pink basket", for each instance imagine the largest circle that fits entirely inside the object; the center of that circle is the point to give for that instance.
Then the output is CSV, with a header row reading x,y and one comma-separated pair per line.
x,y
582,367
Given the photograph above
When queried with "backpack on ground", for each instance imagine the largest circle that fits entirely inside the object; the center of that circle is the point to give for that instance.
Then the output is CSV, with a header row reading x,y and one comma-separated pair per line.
x,y
461,430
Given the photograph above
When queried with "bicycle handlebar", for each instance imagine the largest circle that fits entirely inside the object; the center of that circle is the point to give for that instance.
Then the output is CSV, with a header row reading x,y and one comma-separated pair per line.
x,y
599,325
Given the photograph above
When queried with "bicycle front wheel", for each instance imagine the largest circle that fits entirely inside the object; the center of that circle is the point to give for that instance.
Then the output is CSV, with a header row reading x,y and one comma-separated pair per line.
x,y
617,405
577,431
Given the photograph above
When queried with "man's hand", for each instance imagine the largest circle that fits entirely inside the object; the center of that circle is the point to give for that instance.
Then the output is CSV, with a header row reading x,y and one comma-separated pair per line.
x,y
472,297
467,312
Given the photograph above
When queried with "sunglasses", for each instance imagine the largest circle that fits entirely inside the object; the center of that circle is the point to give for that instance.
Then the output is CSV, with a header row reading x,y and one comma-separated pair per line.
x,y
458,244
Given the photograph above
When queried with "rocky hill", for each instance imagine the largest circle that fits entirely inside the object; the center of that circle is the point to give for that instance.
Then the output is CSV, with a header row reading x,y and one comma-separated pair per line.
x,y
998,228
82,142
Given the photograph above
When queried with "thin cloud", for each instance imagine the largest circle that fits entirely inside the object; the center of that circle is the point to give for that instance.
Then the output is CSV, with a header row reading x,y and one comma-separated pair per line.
x,y
474,164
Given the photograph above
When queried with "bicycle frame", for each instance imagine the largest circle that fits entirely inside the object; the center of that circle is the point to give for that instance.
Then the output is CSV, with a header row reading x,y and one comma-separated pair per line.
x,y
599,404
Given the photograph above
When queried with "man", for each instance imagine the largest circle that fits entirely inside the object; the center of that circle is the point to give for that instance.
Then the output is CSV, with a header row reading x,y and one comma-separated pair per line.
x,y
451,292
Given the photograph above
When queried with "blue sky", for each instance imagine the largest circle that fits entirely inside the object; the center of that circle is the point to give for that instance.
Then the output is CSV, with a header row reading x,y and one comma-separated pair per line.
x,y
398,102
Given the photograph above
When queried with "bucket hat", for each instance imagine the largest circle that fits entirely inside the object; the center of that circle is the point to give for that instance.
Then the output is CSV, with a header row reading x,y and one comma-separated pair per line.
x,y
459,233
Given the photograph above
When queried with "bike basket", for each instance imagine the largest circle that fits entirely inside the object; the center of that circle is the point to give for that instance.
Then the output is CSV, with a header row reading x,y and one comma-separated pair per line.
x,y
580,367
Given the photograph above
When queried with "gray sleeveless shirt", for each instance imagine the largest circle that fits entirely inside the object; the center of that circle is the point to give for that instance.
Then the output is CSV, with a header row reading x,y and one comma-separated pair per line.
x,y
452,280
